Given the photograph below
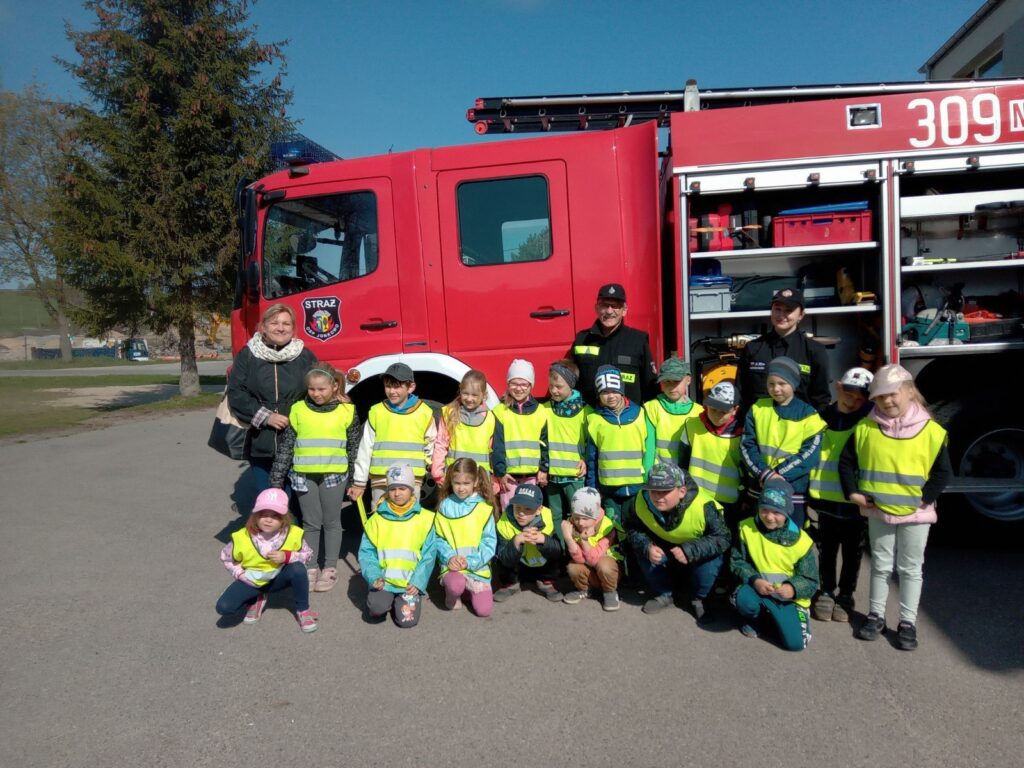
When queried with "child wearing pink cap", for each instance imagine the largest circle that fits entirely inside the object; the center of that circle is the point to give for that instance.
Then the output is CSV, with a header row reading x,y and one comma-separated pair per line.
x,y
267,555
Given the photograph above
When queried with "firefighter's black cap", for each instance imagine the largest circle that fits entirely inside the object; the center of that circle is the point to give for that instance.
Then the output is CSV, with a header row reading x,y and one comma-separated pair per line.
x,y
790,298
612,291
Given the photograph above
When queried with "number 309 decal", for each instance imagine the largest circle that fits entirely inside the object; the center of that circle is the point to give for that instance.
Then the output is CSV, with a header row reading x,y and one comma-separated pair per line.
x,y
954,120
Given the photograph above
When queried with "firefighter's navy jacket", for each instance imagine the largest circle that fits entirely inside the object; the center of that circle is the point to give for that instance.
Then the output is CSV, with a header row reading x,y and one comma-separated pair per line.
x,y
626,348
810,355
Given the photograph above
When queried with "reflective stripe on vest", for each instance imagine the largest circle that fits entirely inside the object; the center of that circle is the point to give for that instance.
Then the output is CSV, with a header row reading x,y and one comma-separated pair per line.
x,y
714,462
399,438
522,439
779,439
469,442
508,529
465,533
399,543
824,478
893,471
691,524
774,562
583,349
321,438
620,449
668,428
604,528
258,569
566,440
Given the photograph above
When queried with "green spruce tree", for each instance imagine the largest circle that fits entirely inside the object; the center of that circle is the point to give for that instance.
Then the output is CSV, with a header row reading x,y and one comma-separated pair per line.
x,y
180,109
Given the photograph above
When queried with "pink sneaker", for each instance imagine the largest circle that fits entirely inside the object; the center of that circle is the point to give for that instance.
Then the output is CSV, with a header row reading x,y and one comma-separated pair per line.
x,y
255,611
328,578
307,620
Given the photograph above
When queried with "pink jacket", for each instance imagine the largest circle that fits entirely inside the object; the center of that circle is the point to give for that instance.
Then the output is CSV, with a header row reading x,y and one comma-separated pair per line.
x,y
593,554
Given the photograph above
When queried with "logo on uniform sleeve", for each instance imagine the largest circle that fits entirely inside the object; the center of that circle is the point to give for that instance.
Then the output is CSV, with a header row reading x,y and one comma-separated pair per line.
x,y
322,317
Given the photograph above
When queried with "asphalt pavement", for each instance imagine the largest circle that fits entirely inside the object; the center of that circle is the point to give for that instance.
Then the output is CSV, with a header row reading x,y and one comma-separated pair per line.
x,y
112,654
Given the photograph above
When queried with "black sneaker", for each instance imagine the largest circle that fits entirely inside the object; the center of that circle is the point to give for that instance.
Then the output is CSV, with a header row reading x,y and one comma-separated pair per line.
x,y
906,636
873,627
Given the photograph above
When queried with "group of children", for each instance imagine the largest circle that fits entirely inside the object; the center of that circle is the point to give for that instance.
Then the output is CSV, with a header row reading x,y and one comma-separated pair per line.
x,y
661,492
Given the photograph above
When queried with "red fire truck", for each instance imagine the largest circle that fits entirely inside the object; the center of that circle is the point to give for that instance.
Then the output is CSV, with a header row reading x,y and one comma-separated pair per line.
x,y
899,209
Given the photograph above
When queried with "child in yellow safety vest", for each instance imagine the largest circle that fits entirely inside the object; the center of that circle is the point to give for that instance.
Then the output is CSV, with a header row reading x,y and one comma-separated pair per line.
x,y
676,530
710,450
782,436
620,443
525,432
267,555
591,539
672,409
840,525
773,561
397,553
400,429
466,538
468,429
566,415
528,550
314,453
894,467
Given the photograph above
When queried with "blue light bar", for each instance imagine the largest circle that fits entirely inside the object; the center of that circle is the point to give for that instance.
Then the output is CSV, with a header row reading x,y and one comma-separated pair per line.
x,y
296,149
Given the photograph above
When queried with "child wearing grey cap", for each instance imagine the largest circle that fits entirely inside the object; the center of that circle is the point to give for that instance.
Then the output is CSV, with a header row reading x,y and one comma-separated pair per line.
x,y
591,539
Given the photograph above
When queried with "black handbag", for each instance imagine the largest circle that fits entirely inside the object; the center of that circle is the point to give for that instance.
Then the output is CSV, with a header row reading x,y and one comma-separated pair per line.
x,y
229,435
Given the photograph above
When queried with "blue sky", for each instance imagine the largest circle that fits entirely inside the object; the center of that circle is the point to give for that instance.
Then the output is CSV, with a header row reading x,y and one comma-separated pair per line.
x,y
373,76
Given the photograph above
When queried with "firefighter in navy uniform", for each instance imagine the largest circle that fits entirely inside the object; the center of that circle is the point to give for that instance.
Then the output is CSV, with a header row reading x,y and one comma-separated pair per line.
x,y
609,341
785,339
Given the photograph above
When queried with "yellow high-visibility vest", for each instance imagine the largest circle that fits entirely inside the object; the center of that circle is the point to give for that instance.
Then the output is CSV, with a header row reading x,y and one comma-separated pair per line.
x,y
691,525
620,449
780,439
668,428
566,440
824,478
892,470
776,563
468,442
465,533
399,543
714,462
522,439
259,570
321,439
605,527
399,438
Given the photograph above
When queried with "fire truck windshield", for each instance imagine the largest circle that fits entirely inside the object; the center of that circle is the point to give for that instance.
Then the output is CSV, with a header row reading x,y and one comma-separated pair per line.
x,y
315,241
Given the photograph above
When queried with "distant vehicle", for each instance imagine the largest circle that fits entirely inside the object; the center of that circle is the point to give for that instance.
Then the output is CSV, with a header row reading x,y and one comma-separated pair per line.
x,y
136,350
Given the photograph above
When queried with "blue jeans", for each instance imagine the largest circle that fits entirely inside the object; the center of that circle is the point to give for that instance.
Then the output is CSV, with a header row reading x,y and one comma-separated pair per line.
x,y
240,595
660,578
789,619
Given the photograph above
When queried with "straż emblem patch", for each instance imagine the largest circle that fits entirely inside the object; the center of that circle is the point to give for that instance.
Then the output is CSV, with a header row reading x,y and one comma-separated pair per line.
x,y
322,317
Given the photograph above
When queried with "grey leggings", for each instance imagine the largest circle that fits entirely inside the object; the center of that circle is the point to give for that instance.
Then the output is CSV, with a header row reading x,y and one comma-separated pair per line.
x,y
321,508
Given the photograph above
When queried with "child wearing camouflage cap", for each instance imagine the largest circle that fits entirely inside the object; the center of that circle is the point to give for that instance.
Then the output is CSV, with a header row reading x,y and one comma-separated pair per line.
x,y
674,529
672,409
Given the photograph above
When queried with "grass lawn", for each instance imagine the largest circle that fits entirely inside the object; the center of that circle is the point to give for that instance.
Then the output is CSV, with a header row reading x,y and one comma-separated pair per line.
x,y
21,312
78,362
30,406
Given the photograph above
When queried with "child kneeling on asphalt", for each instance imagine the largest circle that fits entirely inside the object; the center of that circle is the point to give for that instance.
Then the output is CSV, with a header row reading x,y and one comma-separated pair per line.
x,y
267,555
773,560
528,549
398,549
591,539
675,526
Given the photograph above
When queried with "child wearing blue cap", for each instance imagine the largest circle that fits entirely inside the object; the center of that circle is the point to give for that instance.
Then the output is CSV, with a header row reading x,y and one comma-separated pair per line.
x,y
773,561
528,549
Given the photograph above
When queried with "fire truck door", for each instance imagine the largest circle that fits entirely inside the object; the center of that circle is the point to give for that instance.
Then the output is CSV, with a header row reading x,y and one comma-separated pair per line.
x,y
506,263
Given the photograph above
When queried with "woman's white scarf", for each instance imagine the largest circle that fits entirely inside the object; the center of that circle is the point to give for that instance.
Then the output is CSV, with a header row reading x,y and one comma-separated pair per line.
x,y
262,351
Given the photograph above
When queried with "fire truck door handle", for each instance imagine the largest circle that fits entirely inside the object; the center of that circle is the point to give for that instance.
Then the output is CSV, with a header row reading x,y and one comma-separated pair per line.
x,y
380,325
546,313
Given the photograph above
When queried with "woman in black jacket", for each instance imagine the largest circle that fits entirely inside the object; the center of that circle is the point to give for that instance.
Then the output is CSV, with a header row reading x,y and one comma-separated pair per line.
x,y
266,378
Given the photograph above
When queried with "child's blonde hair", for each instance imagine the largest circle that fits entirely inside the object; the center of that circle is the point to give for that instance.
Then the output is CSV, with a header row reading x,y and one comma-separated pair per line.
x,y
472,376
287,519
481,480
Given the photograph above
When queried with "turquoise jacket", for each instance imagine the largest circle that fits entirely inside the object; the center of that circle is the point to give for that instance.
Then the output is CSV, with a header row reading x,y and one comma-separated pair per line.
x,y
453,508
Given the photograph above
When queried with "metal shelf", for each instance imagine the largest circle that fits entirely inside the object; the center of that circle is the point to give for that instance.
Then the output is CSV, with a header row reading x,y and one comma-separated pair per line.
x,y
916,207
695,316
792,250
939,350
980,264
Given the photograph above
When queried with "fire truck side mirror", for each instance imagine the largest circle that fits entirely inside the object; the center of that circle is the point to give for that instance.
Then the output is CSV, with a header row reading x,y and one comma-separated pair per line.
x,y
252,281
